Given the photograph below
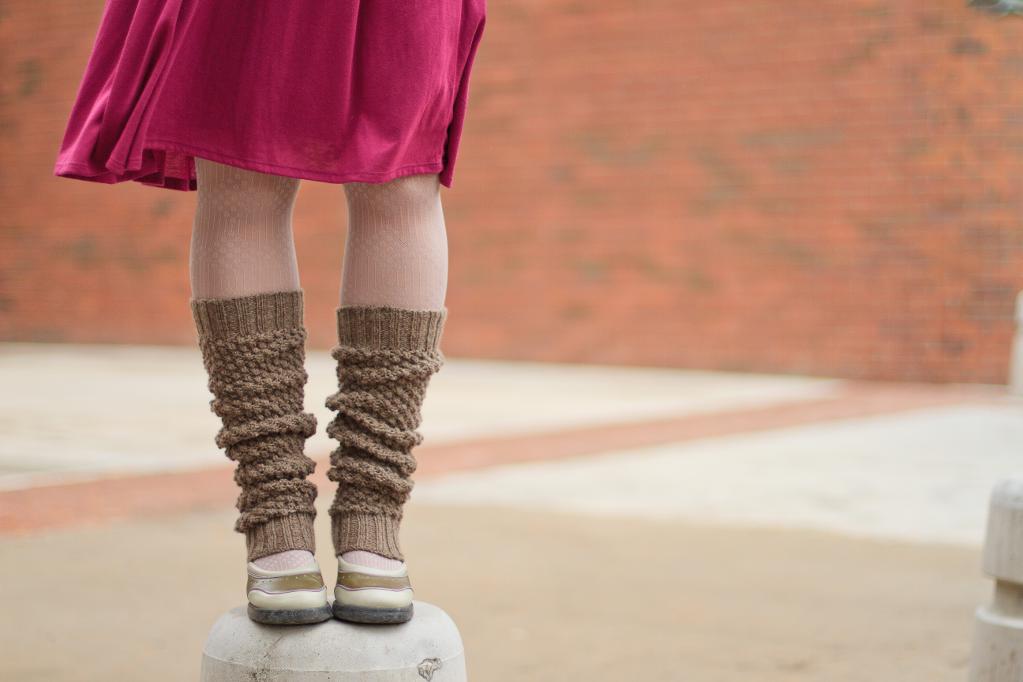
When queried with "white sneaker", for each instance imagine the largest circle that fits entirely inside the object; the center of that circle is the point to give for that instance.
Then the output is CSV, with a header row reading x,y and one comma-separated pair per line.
x,y
290,597
372,595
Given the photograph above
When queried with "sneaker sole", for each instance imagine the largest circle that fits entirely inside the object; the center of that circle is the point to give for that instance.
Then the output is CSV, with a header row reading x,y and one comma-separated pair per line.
x,y
364,614
290,616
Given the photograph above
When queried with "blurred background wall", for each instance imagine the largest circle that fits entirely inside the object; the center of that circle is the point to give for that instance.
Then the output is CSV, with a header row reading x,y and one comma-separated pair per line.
x,y
813,186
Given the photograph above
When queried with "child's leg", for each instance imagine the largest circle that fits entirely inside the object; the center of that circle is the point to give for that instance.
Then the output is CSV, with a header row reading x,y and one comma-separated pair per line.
x,y
248,308
242,240
390,320
396,250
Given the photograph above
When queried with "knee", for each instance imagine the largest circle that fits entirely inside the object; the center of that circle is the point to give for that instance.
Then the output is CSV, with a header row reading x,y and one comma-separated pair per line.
x,y
420,191
223,188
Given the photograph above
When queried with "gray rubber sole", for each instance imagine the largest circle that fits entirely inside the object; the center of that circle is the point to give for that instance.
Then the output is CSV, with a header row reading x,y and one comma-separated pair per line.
x,y
290,616
363,614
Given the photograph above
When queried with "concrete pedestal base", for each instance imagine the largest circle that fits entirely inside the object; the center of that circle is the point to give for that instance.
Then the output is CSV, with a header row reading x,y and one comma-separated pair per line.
x,y
428,647
998,633
997,645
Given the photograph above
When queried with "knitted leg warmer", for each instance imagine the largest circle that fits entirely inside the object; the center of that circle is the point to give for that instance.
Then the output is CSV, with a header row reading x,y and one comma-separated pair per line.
x,y
385,358
253,348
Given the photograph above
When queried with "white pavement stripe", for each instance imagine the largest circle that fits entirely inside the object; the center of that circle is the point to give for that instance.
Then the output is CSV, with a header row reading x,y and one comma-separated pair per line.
x,y
74,410
920,476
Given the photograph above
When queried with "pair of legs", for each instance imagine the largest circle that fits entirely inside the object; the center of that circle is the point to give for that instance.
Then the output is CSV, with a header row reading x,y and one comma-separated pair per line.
x,y
396,254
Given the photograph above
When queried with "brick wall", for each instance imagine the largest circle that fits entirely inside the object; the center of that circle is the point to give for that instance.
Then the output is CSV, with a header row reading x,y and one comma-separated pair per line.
x,y
806,186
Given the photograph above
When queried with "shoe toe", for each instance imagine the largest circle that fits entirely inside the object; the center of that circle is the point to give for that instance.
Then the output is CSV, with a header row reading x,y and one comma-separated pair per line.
x,y
372,595
296,596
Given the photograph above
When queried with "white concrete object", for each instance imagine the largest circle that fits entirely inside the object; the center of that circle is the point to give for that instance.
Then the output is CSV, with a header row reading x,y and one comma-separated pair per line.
x,y
998,633
428,647
1016,361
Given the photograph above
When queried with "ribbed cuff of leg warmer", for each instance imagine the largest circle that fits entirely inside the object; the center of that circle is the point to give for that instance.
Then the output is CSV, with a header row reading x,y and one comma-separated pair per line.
x,y
294,531
242,315
370,532
389,327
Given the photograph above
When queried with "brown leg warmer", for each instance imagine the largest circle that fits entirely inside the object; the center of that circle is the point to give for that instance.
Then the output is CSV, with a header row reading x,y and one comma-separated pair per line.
x,y
385,358
253,348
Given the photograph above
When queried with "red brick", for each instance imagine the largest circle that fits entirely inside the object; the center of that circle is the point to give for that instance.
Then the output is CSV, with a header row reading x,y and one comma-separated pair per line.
x,y
820,187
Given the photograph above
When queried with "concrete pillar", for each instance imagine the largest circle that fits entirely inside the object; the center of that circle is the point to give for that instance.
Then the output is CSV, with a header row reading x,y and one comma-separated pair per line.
x,y
1016,361
998,631
428,647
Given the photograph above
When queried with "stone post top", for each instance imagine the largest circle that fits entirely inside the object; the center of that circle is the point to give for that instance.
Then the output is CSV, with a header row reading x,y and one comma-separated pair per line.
x,y
428,647
1008,492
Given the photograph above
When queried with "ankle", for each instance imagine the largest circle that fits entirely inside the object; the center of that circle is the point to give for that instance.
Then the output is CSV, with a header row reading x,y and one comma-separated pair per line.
x,y
369,559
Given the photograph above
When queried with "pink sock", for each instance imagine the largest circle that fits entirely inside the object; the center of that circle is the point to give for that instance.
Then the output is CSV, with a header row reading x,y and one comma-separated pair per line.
x,y
370,560
282,561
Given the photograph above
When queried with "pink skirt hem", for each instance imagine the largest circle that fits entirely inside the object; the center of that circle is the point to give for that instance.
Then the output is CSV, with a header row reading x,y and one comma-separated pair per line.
x,y
155,165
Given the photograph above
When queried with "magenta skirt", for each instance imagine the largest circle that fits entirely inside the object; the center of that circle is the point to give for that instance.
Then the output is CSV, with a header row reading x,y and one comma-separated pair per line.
x,y
345,91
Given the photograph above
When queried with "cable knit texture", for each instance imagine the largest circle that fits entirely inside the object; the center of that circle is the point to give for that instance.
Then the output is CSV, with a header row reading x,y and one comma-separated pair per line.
x,y
253,348
385,358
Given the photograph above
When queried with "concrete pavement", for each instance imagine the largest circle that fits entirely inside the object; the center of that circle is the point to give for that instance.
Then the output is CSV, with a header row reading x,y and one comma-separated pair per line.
x,y
72,411
576,521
